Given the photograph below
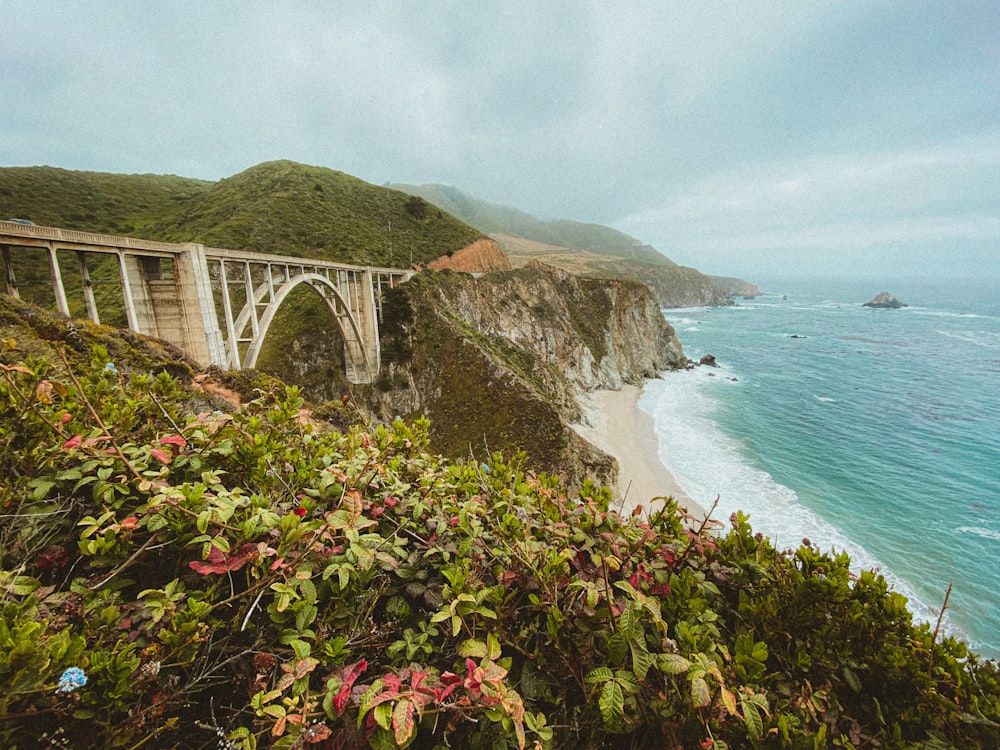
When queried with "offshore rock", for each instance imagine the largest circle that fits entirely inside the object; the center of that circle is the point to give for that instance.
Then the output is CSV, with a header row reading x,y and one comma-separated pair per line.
x,y
884,300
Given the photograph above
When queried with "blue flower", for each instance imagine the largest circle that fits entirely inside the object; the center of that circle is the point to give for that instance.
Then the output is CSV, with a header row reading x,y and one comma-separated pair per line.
x,y
110,369
71,679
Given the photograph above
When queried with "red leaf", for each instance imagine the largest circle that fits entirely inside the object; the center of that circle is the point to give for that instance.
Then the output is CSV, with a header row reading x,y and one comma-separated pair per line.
x,y
173,440
162,456
316,734
217,562
349,676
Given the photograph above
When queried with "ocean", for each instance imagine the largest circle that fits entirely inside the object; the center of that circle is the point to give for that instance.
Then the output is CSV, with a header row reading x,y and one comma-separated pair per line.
x,y
875,432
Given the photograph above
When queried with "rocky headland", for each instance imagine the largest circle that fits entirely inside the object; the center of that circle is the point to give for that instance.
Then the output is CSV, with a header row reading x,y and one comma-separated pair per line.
x,y
499,362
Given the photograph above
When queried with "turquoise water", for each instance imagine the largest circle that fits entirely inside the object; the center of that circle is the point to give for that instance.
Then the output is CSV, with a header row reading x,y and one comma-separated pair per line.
x,y
871,431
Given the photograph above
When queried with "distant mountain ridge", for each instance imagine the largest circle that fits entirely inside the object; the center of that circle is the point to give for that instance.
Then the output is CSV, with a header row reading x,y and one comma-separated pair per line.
x,y
494,218
584,248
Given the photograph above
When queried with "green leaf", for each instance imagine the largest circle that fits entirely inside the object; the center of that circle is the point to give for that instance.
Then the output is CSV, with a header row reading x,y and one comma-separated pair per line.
x,y
642,660
41,488
403,725
852,679
700,694
612,705
473,648
598,675
617,647
752,720
23,585
672,664
383,715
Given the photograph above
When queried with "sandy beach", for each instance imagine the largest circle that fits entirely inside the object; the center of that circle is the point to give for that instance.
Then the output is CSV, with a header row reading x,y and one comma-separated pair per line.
x,y
620,428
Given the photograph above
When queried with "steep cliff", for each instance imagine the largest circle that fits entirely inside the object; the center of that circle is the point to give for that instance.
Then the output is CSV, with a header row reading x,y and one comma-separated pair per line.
x,y
497,362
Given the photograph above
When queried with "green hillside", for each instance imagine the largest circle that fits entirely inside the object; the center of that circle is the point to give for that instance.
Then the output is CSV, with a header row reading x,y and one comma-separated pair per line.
x,y
277,207
293,209
93,201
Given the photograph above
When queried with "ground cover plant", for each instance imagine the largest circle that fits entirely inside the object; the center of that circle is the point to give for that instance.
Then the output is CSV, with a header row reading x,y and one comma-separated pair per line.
x,y
179,579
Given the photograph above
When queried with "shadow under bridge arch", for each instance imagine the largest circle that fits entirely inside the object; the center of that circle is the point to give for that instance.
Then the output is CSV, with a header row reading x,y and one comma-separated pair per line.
x,y
350,299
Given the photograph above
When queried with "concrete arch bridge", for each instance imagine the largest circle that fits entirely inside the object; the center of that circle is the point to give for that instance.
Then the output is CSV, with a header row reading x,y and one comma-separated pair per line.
x,y
215,304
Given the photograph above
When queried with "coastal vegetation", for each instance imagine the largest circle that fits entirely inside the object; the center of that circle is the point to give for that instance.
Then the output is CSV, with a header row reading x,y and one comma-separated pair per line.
x,y
178,573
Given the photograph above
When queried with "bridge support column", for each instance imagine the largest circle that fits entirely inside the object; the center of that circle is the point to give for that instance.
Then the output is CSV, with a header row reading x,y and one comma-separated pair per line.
x,y
363,356
57,282
138,301
9,272
195,290
88,288
180,310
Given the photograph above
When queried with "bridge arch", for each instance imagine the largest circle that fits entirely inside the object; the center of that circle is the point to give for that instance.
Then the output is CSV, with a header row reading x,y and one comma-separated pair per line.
x,y
357,355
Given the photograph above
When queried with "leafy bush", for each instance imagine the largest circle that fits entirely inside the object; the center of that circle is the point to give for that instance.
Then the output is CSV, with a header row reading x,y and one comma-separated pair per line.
x,y
247,580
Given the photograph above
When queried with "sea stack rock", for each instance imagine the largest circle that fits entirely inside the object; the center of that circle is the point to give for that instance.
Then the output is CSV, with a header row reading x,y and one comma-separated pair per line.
x,y
884,300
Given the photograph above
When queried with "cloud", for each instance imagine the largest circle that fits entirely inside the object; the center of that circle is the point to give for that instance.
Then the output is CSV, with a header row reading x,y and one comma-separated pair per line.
x,y
704,123
943,193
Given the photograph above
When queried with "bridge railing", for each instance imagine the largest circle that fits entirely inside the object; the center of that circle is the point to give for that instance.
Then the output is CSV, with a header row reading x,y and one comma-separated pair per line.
x,y
14,228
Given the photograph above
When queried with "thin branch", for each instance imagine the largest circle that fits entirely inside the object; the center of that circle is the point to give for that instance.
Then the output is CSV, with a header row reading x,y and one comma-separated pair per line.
x,y
937,627
132,558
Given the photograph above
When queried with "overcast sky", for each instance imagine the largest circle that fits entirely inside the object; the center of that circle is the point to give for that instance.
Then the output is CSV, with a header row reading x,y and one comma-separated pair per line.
x,y
741,137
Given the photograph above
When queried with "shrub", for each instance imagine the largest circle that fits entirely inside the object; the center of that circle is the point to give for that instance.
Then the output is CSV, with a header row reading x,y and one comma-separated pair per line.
x,y
175,580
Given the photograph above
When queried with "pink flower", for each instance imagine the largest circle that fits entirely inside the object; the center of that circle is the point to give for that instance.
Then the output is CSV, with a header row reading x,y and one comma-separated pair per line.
x,y
73,442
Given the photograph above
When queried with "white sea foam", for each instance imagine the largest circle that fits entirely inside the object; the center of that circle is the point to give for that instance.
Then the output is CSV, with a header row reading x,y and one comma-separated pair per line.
x,y
943,313
979,531
825,399
708,464
987,339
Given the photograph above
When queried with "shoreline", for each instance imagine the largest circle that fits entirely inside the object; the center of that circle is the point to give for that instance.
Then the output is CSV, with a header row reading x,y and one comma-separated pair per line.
x,y
615,424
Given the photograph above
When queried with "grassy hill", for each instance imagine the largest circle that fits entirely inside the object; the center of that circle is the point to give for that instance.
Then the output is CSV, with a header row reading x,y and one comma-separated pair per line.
x,y
93,201
583,248
277,207
293,209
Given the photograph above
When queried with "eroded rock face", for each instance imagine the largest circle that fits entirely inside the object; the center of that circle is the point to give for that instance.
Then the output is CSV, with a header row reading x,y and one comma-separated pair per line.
x,y
884,300
592,333
498,362
482,256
